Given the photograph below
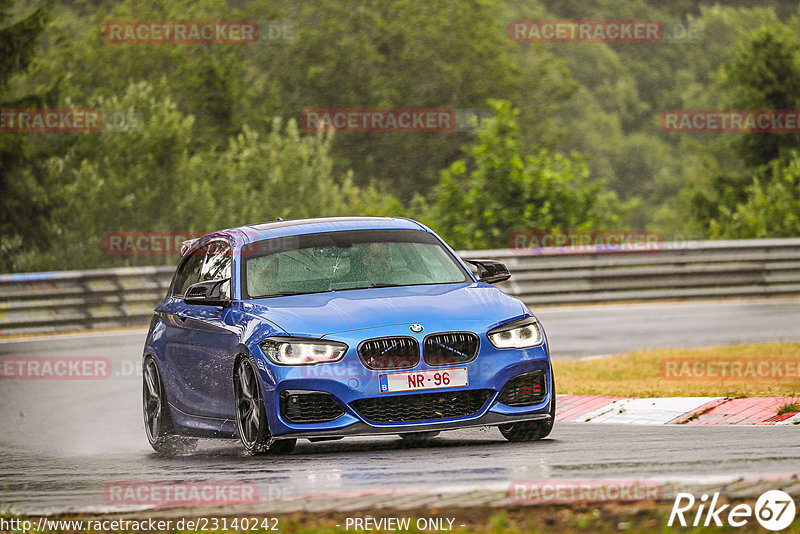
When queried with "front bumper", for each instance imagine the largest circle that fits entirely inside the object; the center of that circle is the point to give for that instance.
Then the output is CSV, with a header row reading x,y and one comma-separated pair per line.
x,y
364,429
349,380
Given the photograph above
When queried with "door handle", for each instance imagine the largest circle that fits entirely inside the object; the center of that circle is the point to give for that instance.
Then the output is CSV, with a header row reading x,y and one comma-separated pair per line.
x,y
181,316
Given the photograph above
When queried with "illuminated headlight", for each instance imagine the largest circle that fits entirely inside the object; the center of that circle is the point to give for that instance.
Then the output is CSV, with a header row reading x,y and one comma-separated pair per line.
x,y
516,335
297,351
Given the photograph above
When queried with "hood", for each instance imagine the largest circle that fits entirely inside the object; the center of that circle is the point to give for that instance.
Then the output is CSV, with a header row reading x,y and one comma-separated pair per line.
x,y
319,314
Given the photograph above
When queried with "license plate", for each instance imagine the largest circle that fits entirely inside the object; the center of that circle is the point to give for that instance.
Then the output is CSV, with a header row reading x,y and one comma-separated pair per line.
x,y
434,379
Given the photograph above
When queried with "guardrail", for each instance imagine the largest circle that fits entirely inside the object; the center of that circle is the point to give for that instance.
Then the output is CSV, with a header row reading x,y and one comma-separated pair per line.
x,y
107,298
681,270
78,300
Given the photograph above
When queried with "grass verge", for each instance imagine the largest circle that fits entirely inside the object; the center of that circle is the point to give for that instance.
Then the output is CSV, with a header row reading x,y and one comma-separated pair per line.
x,y
643,373
602,518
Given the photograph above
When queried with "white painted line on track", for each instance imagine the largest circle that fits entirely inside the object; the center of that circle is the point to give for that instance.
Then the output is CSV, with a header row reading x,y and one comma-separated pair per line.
x,y
652,411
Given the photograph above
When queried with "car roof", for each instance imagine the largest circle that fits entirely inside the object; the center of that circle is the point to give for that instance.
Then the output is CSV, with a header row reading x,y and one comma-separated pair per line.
x,y
272,229
353,222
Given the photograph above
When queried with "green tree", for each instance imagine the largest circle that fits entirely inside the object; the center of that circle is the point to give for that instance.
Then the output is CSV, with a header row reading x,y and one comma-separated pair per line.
x,y
24,203
117,179
496,189
403,54
146,174
339,54
764,74
284,173
771,207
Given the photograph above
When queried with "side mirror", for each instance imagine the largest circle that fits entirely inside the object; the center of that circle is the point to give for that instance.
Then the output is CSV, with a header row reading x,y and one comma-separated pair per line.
x,y
208,293
490,271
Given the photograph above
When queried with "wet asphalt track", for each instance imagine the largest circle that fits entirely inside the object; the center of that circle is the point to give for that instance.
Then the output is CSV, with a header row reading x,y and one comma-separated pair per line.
x,y
63,441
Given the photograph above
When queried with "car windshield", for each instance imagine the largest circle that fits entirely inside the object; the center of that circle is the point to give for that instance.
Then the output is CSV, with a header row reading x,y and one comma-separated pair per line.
x,y
338,261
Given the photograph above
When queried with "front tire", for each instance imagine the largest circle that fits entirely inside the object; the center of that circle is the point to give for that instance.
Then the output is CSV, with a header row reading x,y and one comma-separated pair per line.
x,y
531,430
251,415
157,418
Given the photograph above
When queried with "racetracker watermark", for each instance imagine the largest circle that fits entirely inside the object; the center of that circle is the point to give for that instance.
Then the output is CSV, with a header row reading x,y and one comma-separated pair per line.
x,y
70,120
720,369
51,120
181,32
579,241
584,491
104,524
122,120
54,368
147,243
183,242
586,31
378,120
470,119
161,494
276,31
730,121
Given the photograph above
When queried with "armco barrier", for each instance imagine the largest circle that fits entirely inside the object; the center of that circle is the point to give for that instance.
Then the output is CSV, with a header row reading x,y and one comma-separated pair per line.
x,y
76,300
681,270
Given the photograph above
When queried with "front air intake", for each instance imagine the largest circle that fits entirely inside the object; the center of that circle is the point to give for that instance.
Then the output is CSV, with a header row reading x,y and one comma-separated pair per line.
x,y
422,406
309,407
524,390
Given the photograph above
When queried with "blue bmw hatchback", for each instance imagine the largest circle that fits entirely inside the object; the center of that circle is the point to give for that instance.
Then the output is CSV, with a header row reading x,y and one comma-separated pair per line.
x,y
326,328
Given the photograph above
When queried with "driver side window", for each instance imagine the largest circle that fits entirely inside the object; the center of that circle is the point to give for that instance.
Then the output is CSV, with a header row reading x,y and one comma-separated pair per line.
x,y
218,264
188,274
210,262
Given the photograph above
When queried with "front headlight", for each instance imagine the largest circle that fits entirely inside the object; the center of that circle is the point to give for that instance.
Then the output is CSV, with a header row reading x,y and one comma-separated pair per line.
x,y
517,334
300,351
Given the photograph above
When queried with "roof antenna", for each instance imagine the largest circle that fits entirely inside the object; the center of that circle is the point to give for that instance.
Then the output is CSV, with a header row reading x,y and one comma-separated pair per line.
x,y
279,219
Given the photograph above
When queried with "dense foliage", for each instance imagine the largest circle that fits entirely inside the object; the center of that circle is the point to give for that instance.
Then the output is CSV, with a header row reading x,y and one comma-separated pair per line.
x,y
210,135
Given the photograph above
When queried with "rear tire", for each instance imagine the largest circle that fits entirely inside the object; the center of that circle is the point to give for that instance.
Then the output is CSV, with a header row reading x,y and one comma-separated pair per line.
x,y
157,418
532,430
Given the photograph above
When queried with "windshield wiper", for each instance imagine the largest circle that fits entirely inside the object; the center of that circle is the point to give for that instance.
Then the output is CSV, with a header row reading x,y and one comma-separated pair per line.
x,y
386,285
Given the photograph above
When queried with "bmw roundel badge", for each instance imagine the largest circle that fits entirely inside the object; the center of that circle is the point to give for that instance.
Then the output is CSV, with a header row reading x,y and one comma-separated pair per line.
x,y
416,328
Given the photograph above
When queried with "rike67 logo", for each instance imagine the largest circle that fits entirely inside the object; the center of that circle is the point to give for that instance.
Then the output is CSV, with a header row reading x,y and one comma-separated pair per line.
x,y
774,510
